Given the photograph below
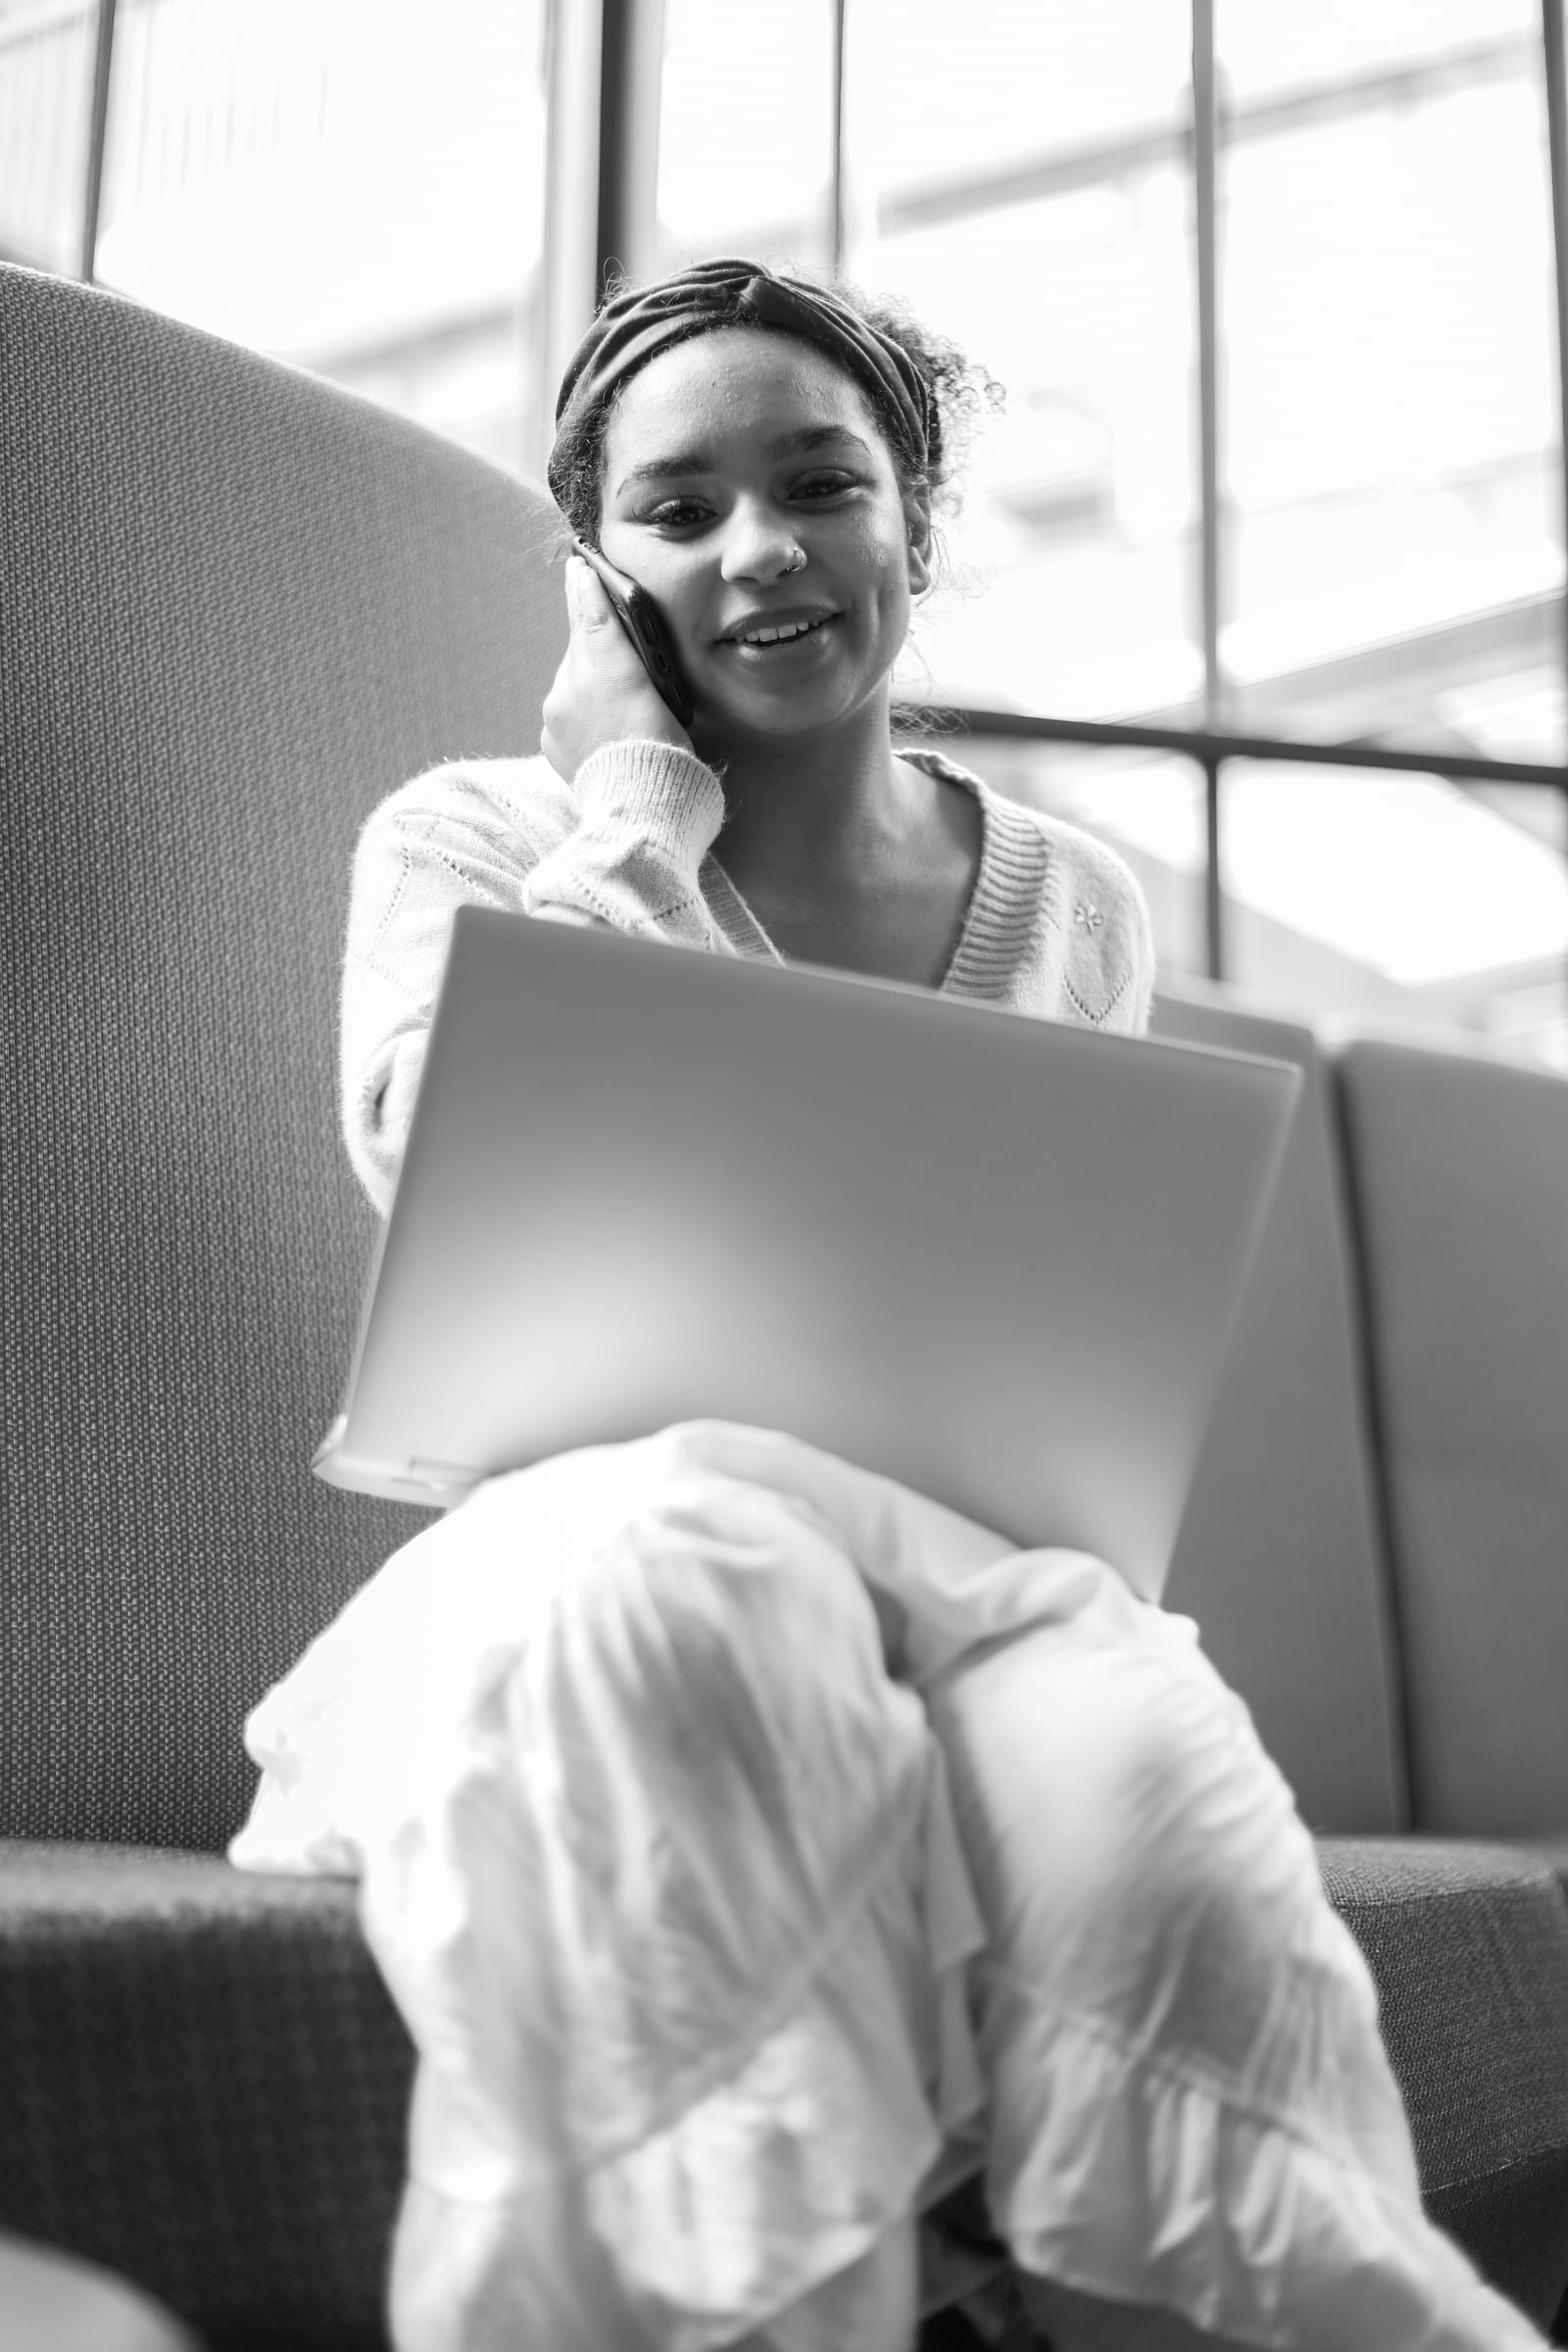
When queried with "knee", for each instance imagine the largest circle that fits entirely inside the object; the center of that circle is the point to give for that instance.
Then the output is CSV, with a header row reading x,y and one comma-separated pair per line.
x,y
1122,1818
728,1642
706,1581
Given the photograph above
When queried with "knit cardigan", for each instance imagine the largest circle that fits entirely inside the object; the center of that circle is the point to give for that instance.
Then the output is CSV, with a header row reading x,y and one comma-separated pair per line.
x,y
1055,924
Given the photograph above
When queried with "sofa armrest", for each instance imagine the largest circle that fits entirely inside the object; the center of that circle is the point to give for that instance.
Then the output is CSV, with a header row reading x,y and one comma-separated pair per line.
x,y
206,2089
1468,1948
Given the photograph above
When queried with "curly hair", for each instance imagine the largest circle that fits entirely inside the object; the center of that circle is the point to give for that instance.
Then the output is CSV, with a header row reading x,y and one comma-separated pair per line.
x,y
960,389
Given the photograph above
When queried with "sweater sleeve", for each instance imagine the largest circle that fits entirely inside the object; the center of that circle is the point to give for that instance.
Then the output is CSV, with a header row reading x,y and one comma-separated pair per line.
x,y
648,815
622,848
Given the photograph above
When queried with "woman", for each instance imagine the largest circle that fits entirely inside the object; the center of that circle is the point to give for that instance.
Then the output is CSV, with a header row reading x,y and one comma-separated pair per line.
x,y
758,1851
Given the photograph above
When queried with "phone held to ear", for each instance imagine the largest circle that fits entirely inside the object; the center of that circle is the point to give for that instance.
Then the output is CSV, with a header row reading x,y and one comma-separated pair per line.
x,y
639,618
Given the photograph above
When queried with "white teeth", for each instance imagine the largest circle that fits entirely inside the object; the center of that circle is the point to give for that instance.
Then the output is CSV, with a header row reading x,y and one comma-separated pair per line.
x,y
779,636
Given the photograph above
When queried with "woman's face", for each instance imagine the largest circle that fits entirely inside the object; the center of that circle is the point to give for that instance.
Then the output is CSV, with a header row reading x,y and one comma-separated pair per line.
x,y
725,459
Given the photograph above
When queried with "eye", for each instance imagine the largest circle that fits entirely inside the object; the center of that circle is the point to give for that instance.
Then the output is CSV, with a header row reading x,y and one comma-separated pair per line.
x,y
831,482
675,514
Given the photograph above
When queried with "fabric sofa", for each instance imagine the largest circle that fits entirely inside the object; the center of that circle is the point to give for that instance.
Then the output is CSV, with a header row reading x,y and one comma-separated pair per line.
x,y
236,606
1377,1550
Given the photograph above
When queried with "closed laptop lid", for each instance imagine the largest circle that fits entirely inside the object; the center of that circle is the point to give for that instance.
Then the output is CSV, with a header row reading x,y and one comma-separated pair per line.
x,y
993,1256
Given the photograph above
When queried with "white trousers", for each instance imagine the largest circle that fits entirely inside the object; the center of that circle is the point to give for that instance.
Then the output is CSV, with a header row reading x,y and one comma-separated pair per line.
x,y
755,1848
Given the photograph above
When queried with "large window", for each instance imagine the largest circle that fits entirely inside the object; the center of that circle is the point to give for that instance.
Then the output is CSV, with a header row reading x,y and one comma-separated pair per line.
x,y
1019,174
754,179
1392,467
1384,518
1274,294
353,185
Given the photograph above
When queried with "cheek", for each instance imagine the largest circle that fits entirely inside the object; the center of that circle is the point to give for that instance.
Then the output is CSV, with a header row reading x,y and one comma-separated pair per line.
x,y
654,566
884,549
888,558
685,600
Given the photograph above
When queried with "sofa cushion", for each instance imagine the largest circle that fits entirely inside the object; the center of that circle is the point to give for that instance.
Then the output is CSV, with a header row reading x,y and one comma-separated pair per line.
x,y
1459,1174
206,2088
1280,1557
207,2084
1553,1851
1468,1948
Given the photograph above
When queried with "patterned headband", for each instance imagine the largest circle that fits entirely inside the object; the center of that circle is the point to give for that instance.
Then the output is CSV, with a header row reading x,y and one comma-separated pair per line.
x,y
635,327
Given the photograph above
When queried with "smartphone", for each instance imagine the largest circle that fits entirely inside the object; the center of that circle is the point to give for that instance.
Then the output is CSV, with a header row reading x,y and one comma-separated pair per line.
x,y
639,618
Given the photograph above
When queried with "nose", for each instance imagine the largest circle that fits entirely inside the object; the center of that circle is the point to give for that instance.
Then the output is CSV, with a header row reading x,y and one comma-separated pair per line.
x,y
760,544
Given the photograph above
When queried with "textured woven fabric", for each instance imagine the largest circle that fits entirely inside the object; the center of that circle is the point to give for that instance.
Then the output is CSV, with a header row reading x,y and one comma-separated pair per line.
x,y
1553,1851
206,2082
1468,1948
205,2086
1458,1166
239,607
1280,1557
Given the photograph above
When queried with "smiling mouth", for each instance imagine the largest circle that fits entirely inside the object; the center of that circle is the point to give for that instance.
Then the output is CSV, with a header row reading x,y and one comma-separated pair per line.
x,y
784,632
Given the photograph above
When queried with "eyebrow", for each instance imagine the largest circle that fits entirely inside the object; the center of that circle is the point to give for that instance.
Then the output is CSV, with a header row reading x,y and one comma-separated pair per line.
x,y
697,461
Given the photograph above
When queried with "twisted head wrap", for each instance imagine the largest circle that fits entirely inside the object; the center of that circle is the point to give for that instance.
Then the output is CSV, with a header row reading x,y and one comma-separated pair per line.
x,y
635,327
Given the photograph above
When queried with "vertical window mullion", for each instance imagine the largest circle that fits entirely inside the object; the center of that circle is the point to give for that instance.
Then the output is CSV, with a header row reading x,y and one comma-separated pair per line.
x,y
631,73
92,194
1557,150
1555,74
1214,870
839,183
1204,145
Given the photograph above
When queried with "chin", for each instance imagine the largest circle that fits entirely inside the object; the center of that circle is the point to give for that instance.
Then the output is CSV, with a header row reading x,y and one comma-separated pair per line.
x,y
770,718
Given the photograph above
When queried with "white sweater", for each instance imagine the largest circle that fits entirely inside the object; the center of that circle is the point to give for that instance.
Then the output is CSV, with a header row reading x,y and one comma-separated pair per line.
x,y
1057,925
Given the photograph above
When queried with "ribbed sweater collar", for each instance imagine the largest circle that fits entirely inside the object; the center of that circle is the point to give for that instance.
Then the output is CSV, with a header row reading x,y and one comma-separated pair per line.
x,y
1004,906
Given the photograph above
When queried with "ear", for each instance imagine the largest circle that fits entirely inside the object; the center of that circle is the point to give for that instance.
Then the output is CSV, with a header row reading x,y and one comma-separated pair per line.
x,y
918,509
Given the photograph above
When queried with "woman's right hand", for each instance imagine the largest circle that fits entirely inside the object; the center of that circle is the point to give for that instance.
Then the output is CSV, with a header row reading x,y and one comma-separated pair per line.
x,y
601,694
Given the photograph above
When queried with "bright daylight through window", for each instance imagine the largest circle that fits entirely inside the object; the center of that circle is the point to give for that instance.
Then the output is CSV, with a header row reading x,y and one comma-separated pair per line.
x,y
360,186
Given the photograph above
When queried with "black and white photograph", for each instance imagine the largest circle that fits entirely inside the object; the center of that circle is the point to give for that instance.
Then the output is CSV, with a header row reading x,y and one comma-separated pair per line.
x,y
783,1176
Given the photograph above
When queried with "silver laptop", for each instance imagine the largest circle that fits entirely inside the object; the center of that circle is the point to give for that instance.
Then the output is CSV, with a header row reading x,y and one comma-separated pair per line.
x,y
995,1257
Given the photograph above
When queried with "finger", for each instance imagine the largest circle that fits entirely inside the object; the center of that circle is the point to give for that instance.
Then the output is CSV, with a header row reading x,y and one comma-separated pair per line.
x,y
594,607
575,568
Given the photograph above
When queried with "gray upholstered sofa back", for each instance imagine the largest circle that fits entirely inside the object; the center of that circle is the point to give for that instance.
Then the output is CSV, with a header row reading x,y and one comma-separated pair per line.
x,y
1377,1543
1281,1556
1460,1170
236,608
